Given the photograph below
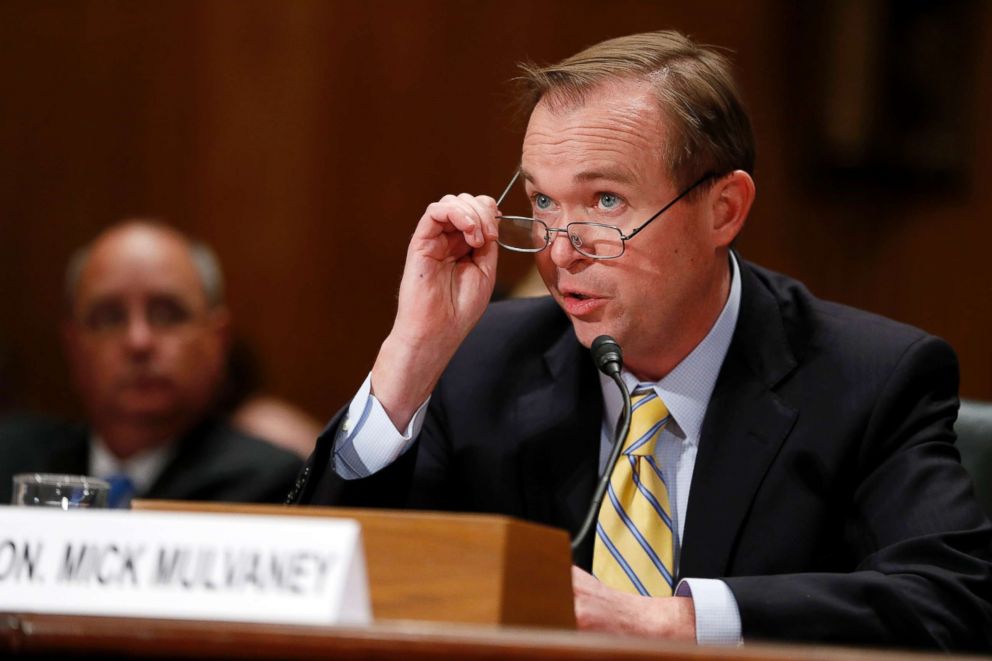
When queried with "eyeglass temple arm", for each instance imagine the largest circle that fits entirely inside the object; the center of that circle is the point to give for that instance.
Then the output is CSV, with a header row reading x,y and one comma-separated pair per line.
x,y
516,175
668,206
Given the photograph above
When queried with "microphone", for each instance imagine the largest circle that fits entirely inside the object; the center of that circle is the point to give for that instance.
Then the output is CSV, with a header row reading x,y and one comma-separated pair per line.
x,y
608,357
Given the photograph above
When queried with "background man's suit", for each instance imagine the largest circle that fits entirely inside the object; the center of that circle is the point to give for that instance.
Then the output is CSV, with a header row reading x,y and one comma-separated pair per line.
x,y
826,492
212,462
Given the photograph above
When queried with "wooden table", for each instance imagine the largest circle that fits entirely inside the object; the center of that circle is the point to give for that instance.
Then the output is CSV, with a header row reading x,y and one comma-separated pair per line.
x,y
99,637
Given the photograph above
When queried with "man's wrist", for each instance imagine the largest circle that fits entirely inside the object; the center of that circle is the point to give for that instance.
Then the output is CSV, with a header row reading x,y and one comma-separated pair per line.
x,y
402,378
678,620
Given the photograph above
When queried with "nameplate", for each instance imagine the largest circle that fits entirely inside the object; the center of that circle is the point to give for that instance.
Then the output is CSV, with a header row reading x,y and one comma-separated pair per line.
x,y
180,565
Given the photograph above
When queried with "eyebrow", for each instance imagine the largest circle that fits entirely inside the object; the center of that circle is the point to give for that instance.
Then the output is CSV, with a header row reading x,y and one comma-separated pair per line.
x,y
619,175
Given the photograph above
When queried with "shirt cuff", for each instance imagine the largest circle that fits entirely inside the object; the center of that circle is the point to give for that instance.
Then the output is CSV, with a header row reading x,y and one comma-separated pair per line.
x,y
718,620
367,440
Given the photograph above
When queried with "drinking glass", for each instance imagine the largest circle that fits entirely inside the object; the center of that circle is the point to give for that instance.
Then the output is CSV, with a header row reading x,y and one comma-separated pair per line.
x,y
63,491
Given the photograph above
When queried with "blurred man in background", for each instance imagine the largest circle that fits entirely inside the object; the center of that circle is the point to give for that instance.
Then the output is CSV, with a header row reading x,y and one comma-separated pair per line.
x,y
146,335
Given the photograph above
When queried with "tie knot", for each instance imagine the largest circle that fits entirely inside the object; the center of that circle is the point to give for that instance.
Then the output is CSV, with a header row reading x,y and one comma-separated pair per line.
x,y
648,417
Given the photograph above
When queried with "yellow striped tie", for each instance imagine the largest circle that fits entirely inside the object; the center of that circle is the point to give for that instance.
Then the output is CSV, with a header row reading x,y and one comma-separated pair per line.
x,y
634,544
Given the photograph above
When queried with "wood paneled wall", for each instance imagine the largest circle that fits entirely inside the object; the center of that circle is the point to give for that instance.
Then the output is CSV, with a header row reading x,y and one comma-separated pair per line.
x,y
303,139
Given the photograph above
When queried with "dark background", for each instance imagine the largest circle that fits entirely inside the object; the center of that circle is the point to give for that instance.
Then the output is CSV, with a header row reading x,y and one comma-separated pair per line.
x,y
303,140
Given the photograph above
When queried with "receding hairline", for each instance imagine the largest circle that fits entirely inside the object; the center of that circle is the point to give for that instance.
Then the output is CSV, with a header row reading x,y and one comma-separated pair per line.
x,y
202,257
692,83
633,56
558,107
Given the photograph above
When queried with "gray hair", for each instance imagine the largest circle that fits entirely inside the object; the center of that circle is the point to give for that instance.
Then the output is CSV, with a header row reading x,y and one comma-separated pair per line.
x,y
204,261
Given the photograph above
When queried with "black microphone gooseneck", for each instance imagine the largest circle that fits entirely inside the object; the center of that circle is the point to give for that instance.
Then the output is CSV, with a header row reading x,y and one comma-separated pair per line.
x,y
608,357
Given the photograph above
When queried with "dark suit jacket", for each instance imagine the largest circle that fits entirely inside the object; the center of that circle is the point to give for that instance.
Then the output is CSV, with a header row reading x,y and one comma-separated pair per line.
x,y
827,491
213,462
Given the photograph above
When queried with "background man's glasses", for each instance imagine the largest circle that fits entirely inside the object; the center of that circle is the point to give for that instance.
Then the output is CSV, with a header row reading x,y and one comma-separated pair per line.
x,y
594,240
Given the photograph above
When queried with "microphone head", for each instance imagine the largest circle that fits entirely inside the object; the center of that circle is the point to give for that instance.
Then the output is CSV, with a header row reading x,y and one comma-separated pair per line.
x,y
607,355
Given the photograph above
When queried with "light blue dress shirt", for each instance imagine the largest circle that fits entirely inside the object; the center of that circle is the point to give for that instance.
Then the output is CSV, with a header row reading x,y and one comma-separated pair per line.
x,y
367,441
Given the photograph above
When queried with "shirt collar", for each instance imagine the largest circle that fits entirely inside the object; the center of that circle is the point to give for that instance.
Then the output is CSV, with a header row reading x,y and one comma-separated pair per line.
x,y
143,468
687,389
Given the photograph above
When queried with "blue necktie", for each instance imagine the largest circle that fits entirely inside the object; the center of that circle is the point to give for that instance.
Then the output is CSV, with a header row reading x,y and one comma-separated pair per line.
x,y
121,491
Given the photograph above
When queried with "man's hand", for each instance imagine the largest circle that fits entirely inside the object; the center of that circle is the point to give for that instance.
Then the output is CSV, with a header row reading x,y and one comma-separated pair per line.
x,y
447,282
601,608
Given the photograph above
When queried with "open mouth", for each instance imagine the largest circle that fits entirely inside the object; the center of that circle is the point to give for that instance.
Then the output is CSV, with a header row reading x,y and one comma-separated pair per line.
x,y
580,304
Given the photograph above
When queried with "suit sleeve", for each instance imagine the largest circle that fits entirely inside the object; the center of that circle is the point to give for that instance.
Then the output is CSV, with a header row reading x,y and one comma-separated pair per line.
x,y
415,479
923,576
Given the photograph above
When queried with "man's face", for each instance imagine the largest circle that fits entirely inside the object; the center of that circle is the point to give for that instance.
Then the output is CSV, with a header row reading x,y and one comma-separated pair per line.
x,y
602,161
145,347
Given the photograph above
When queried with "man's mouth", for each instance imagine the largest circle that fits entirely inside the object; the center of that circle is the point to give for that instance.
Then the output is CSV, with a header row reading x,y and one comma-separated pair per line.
x,y
581,304
145,381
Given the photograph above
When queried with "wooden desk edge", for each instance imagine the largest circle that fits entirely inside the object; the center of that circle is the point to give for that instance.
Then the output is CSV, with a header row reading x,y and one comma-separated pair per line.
x,y
37,633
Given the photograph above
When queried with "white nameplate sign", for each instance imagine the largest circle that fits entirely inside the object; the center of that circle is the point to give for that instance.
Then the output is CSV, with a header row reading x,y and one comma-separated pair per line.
x,y
180,565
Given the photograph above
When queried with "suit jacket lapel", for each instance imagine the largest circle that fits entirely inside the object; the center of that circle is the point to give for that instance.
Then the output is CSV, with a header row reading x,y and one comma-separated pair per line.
x,y
744,427
558,420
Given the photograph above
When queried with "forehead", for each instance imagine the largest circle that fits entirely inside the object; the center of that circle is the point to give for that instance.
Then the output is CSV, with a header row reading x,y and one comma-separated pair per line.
x,y
139,262
616,132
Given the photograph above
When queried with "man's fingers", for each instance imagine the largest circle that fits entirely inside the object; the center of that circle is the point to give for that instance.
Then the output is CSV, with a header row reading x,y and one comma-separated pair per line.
x,y
452,212
471,216
485,210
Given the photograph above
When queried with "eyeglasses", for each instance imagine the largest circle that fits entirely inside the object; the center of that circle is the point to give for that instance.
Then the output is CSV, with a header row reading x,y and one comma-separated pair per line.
x,y
594,240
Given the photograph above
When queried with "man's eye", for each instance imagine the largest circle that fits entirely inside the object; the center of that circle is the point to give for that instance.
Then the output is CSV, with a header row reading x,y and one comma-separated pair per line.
x,y
166,313
609,201
542,202
105,317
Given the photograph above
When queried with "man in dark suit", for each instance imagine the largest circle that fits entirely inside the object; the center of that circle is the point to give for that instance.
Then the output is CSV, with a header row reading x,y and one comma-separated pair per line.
x,y
213,461
799,473
146,336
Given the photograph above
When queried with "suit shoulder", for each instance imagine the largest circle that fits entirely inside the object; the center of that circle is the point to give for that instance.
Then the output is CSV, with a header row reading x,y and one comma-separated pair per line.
x,y
37,435
814,324
243,448
240,451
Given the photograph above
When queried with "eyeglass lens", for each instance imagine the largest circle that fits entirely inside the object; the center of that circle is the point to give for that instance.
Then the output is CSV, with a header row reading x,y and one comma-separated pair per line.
x,y
596,240
529,235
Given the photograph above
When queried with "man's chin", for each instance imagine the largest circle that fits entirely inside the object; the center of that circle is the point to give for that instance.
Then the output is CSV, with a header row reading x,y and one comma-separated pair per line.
x,y
587,332
588,323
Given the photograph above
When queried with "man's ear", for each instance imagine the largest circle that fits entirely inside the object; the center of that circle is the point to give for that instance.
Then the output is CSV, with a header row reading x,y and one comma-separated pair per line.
x,y
730,198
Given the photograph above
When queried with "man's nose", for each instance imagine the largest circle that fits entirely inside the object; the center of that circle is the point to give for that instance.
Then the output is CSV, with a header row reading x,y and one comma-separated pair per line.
x,y
563,253
139,336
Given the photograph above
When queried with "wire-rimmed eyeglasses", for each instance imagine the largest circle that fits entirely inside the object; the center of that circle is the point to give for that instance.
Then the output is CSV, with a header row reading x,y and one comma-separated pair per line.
x,y
594,240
